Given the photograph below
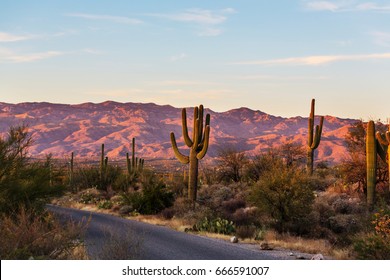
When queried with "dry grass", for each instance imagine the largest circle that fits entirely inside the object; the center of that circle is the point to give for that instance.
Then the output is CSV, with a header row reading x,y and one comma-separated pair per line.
x,y
176,224
27,235
119,246
311,246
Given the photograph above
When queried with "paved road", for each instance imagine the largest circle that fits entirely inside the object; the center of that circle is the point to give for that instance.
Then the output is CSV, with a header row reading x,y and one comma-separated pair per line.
x,y
157,242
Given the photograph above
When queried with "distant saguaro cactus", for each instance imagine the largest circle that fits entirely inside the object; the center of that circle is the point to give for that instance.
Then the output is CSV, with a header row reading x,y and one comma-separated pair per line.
x,y
371,160
314,138
71,174
383,147
136,164
103,167
198,146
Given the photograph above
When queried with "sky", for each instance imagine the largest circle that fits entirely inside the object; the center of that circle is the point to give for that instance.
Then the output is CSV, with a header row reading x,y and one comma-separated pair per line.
x,y
273,56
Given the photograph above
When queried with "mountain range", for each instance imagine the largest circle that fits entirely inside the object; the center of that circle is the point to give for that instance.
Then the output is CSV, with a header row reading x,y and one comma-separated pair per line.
x,y
60,129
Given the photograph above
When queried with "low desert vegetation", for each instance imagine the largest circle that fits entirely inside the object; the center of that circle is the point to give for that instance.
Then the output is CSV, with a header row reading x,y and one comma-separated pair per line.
x,y
273,197
27,231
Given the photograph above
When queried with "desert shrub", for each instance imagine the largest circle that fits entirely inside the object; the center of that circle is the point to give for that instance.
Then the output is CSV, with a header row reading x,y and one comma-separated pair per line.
x,y
168,213
155,197
245,216
23,183
105,204
89,177
231,205
248,231
90,196
111,175
151,199
230,164
346,206
216,196
286,195
337,218
372,247
216,225
343,224
27,234
86,177
288,154
184,209
119,246
375,244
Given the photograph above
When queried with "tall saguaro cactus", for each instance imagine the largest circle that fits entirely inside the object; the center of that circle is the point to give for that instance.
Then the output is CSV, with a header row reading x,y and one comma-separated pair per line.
x,y
198,146
103,167
383,147
371,160
314,138
136,164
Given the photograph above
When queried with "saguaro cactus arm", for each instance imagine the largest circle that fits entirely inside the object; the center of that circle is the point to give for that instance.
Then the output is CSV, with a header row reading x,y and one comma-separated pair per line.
x,y
317,137
383,148
186,137
384,139
314,136
203,152
182,158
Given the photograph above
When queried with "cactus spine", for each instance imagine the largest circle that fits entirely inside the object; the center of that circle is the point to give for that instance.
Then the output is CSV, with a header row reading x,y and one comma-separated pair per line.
x,y
383,147
371,160
198,146
314,138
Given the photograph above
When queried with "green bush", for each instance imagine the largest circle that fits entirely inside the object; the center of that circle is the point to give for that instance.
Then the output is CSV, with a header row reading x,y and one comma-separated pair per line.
x,y
285,194
216,225
151,199
105,204
23,183
375,244
372,247
89,177
86,177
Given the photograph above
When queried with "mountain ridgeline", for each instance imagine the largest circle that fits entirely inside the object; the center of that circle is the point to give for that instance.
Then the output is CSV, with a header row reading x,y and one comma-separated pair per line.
x,y
60,129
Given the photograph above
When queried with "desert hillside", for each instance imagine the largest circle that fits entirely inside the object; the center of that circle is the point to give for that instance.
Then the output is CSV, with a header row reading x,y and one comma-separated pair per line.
x,y
60,129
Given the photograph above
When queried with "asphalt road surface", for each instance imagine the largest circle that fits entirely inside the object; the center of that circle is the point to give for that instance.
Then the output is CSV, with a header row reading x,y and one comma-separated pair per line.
x,y
151,242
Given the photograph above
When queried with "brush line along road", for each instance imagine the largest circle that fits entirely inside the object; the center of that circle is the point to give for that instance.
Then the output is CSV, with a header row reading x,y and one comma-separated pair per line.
x,y
158,242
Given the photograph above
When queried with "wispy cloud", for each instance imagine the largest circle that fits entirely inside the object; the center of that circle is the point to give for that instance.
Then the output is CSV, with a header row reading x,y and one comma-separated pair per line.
x,y
207,20
92,51
210,32
369,6
322,6
117,93
7,55
11,56
116,19
273,77
8,37
317,60
178,57
212,94
381,38
345,6
186,83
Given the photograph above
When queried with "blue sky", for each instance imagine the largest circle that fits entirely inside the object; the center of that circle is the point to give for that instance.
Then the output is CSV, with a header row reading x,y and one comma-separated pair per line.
x,y
272,56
